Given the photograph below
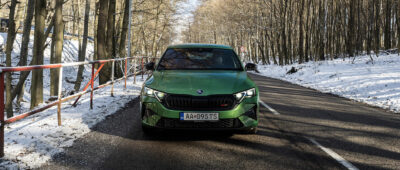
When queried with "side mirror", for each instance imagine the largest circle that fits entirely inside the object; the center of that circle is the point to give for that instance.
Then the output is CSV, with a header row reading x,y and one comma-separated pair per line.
x,y
150,66
251,67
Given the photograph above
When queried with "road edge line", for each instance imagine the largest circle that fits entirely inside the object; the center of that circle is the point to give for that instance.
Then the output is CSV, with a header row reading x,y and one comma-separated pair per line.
x,y
333,154
269,108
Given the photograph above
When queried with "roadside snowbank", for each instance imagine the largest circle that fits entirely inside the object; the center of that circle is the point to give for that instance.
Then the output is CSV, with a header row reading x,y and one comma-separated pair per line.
x,y
376,83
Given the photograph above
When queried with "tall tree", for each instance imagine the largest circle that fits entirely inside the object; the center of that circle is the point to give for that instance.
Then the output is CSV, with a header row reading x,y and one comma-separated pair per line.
x,y
9,47
301,35
82,49
377,26
23,61
388,24
37,75
101,38
124,31
123,36
398,26
111,29
58,38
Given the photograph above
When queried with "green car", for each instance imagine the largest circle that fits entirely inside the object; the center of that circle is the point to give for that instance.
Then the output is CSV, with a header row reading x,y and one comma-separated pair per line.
x,y
199,86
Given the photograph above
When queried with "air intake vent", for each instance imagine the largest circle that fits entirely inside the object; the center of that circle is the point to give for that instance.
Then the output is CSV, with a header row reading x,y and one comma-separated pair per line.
x,y
201,103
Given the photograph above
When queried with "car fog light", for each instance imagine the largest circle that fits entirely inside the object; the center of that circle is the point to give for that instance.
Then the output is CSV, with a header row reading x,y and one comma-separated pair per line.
x,y
251,113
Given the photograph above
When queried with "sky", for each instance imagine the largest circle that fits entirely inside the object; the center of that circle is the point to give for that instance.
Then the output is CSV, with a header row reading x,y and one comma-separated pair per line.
x,y
185,14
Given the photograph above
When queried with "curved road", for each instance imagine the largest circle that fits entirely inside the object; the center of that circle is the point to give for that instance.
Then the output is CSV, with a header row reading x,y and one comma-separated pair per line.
x,y
309,130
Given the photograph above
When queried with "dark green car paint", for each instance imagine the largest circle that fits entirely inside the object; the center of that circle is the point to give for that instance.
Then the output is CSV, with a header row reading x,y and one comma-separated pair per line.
x,y
187,82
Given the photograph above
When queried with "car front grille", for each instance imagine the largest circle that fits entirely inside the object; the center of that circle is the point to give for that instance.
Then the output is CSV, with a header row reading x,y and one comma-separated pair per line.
x,y
178,124
199,103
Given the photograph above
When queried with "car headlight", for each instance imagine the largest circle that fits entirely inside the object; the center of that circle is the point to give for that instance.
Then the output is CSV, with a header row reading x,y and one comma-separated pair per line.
x,y
245,94
154,93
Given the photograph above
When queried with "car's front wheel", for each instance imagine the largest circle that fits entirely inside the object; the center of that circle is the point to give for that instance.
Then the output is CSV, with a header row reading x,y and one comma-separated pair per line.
x,y
147,130
252,131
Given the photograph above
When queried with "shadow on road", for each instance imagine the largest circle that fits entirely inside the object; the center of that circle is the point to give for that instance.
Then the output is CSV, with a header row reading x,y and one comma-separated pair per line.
x,y
366,136
348,128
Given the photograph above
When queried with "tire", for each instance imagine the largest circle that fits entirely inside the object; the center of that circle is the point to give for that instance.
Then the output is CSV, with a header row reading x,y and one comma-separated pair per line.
x,y
252,131
147,130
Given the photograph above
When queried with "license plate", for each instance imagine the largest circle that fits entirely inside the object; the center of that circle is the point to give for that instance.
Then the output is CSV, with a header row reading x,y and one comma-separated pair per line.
x,y
199,116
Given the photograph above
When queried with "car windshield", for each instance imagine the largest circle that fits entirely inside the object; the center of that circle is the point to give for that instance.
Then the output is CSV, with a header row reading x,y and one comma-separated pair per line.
x,y
199,59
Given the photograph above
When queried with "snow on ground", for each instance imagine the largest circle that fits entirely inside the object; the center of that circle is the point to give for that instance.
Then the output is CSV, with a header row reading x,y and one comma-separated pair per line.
x,y
33,141
376,83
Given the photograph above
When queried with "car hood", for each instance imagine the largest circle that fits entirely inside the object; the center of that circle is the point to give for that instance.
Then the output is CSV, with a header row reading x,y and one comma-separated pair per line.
x,y
210,82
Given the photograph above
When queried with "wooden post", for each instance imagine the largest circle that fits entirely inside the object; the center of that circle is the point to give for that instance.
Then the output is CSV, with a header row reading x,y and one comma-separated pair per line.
x,y
60,76
143,67
134,70
126,69
2,114
112,78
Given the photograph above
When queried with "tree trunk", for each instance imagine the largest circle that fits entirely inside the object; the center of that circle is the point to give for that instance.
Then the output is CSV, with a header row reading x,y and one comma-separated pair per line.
x,y
101,39
351,30
23,61
53,72
9,47
388,22
82,52
398,27
58,38
96,10
110,40
301,53
111,29
123,36
307,54
124,31
75,23
37,75
377,27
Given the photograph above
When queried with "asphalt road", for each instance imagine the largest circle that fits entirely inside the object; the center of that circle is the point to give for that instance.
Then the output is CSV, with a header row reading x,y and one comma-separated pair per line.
x,y
362,136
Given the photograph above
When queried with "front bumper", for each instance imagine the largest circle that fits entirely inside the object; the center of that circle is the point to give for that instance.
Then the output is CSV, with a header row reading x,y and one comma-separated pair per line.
x,y
242,117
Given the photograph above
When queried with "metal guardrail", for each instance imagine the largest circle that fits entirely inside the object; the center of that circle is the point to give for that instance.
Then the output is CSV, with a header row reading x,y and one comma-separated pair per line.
x,y
60,100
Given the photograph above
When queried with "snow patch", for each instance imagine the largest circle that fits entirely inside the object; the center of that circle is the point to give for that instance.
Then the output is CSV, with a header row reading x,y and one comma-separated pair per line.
x,y
376,83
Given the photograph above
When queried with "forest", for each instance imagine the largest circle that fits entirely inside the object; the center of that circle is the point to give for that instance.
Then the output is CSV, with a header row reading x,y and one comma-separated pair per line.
x,y
103,23
277,32
297,31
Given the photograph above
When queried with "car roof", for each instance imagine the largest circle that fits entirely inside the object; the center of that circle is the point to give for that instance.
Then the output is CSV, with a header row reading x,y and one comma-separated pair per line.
x,y
195,45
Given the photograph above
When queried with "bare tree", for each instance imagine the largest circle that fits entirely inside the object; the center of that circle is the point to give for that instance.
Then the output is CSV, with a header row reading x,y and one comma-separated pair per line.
x,y
297,31
82,51
9,48
23,61
58,38
101,38
37,75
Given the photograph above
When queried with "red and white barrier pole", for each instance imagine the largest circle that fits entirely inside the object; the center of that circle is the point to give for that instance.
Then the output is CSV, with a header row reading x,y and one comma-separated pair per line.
x,y
91,85
2,114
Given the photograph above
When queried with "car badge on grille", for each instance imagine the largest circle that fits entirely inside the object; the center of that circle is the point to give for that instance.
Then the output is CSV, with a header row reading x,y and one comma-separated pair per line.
x,y
200,91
